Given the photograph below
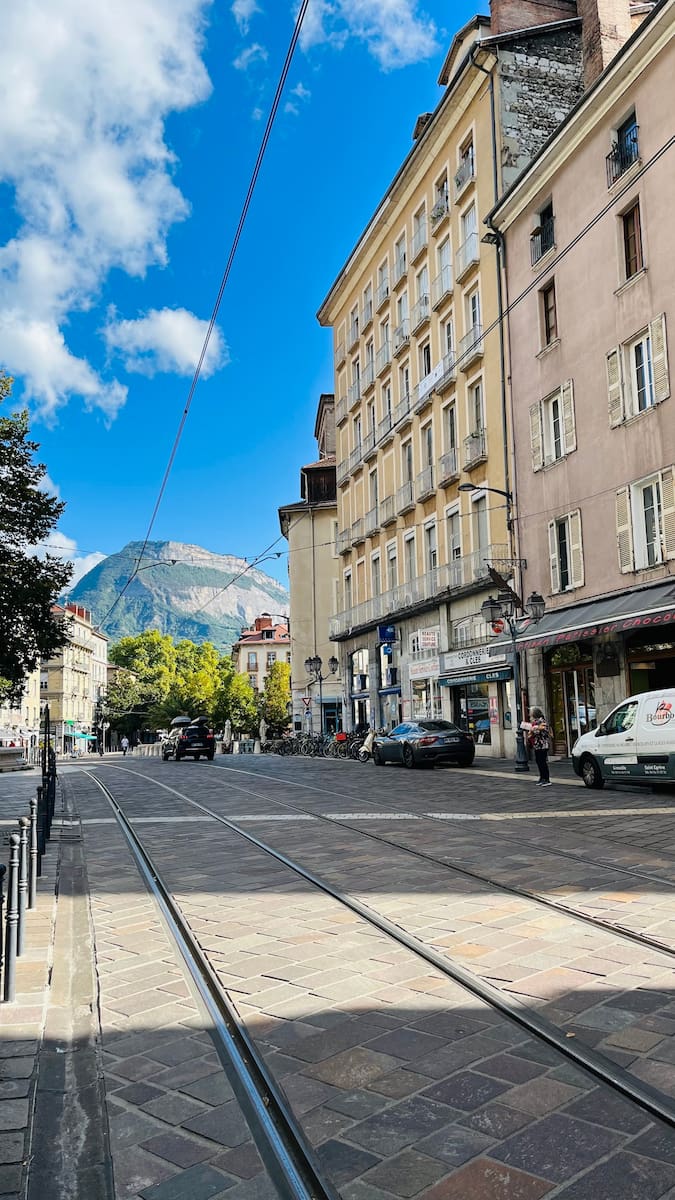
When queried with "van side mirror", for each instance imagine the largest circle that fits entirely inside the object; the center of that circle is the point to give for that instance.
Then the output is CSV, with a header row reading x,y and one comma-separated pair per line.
x,y
600,731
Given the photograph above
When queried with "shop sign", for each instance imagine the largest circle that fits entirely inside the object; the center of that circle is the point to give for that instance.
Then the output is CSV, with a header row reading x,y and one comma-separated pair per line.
x,y
494,710
428,639
478,677
386,634
428,669
470,656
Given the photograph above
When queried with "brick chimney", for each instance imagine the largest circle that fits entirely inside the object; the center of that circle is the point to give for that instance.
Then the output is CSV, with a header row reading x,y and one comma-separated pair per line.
x,y
508,15
607,24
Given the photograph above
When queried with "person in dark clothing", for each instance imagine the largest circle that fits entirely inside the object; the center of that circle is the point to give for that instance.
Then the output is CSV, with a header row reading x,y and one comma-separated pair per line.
x,y
540,739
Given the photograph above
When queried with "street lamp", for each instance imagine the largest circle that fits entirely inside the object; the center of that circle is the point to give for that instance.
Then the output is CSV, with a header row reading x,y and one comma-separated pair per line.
x,y
313,667
496,610
476,487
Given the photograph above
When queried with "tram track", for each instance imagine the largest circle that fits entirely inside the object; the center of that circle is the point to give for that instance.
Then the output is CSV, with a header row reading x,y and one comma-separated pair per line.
x,y
612,1075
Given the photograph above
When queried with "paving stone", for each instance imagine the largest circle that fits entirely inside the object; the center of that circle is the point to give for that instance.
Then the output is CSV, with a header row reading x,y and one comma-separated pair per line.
x,y
604,1107
657,1142
13,1114
174,1053
540,1096
406,1174
457,1055
182,1151
399,1083
136,1068
173,1108
15,1088
342,1162
496,1120
11,1146
466,1090
130,1129
19,1067
488,1180
354,1068
400,1125
409,1044
512,1069
138,1093
212,1089
197,1183
556,1147
225,1125
625,1177
10,1178
455,1145
355,1104
243,1161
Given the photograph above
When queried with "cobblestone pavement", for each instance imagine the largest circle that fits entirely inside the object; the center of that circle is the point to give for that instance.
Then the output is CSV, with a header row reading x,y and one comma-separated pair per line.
x,y
408,1085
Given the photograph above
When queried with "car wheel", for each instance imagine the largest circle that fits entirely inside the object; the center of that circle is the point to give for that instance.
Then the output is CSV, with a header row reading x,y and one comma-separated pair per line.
x,y
465,762
210,755
409,757
377,757
590,773
177,756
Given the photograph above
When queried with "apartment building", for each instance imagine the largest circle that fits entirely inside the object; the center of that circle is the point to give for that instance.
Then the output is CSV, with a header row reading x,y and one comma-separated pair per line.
x,y
310,527
75,680
258,647
20,723
590,250
423,469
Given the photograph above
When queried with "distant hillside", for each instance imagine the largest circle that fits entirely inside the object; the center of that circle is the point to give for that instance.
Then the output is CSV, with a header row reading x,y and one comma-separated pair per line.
x,y
169,598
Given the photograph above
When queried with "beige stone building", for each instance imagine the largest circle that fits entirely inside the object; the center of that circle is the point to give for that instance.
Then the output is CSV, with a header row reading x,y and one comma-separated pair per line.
x,y
20,723
74,681
421,384
590,250
310,526
265,642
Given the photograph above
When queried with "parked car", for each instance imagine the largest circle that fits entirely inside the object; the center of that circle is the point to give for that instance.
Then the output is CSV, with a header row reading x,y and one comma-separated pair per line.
x,y
425,742
189,741
635,742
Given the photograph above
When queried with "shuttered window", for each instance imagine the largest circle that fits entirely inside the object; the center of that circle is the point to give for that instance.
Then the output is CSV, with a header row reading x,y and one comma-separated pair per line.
x,y
553,427
645,522
637,373
566,554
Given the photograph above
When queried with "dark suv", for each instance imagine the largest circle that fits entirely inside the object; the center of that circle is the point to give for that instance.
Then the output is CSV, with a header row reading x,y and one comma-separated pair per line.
x,y
189,741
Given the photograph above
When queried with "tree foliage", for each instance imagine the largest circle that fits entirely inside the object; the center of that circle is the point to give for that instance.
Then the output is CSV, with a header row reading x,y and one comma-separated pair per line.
x,y
29,585
276,697
240,706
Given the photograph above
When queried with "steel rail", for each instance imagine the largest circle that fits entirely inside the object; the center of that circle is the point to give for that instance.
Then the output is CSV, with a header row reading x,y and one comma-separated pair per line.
x,y
610,1073
297,1176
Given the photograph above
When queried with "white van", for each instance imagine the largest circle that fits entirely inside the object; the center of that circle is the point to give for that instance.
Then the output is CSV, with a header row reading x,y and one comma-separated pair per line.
x,y
635,742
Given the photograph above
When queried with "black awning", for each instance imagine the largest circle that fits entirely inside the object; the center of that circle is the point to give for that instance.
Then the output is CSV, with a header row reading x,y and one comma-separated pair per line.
x,y
629,611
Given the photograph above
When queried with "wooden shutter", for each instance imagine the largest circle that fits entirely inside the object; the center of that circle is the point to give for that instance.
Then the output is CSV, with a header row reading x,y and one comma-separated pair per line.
x,y
615,387
553,554
536,437
624,530
668,512
569,425
576,549
657,337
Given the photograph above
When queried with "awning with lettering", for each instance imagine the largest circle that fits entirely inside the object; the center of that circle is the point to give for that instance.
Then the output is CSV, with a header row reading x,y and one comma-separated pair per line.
x,y
632,611
495,676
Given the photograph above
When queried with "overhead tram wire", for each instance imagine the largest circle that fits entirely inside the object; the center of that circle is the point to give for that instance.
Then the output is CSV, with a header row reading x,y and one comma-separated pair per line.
x,y
221,290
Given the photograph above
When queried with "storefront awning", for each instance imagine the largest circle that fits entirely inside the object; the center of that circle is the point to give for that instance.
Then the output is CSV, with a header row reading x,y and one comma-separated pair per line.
x,y
499,673
654,606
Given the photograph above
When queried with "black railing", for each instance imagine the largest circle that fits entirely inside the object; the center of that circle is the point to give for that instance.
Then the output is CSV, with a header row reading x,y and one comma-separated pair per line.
x,y
623,154
542,240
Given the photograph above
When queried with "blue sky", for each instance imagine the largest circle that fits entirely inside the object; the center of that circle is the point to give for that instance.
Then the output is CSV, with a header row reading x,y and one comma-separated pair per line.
x,y
127,137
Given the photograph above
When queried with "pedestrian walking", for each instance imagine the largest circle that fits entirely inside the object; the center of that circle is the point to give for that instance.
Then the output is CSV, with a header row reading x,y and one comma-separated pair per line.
x,y
540,739
125,745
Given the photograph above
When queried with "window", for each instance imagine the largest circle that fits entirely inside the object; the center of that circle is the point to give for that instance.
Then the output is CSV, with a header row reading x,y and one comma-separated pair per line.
x,y
356,433
632,241
476,418
449,338
370,417
622,719
552,427
402,308
384,334
410,558
400,259
469,223
454,536
252,661
406,462
382,283
645,522
450,427
637,373
479,522
348,589
392,566
253,681
353,326
386,400
427,444
375,577
625,150
419,231
430,547
425,360
367,312
549,313
466,169
441,205
372,483
473,314
542,238
404,381
565,551
271,658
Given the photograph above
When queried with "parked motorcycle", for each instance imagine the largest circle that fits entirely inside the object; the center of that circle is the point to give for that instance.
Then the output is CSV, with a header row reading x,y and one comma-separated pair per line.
x,y
366,750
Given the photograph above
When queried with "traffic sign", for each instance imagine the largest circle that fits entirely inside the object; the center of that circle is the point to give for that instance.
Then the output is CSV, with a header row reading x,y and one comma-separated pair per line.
x,y
306,700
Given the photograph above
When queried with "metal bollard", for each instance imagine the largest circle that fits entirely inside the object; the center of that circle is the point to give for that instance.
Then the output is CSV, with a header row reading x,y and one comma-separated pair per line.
x,y
40,826
12,919
3,872
33,855
24,825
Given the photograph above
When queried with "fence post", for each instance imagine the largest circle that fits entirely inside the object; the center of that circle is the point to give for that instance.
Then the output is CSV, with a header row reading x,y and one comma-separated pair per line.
x,y
41,839
24,824
12,918
3,872
33,855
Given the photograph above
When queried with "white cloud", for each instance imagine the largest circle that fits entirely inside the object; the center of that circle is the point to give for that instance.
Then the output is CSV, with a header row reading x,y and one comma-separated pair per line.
x,y
167,339
242,11
65,548
395,32
301,92
88,90
253,54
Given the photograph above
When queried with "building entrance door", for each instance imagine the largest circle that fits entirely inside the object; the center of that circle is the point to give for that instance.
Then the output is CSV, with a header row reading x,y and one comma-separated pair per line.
x,y
572,706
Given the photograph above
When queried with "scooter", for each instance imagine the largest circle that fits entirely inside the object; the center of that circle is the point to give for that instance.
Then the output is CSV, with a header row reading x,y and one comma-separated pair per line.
x,y
366,751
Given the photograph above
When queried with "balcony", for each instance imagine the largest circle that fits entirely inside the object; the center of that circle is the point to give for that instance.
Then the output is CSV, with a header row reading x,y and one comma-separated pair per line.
x,y
542,240
401,336
344,541
385,429
356,459
368,376
342,472
470,347
623,154
358,533
405,499
448,375
341,411
353,335
383,358
448,468
465,173
382,294
467,256
422,395
420,313
420,240
354,393
475,449
387,511
402,410
369,446
372,523
424,484
339,354
441,286
400,268
439,212
366,315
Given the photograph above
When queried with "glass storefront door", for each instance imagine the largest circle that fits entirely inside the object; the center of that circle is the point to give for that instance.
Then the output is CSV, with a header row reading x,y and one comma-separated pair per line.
x,y
572,706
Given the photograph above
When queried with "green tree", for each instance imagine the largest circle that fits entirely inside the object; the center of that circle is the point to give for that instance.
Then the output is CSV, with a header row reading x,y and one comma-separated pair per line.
x,y
276,698
149,662
195,685
29,585
241,708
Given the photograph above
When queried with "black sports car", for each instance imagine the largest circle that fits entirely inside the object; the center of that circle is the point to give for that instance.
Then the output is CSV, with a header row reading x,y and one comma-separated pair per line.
x,y
425,742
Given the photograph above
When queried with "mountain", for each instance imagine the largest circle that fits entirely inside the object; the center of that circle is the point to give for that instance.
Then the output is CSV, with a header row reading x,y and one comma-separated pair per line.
x,y
169,596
